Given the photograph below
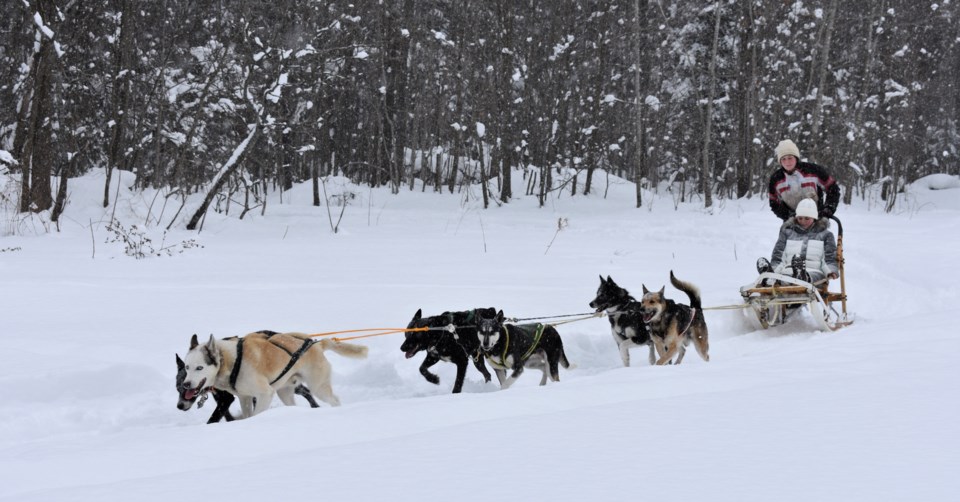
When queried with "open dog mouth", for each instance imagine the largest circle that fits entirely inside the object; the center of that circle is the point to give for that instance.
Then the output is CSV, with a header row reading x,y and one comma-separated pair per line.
x,y
411,353
648,314
191,394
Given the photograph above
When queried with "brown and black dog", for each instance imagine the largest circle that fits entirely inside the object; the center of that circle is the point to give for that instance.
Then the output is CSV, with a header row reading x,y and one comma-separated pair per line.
x,y
673,326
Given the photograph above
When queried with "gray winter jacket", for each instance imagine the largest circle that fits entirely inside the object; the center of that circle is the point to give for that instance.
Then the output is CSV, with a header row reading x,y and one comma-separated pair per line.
x,y
816,244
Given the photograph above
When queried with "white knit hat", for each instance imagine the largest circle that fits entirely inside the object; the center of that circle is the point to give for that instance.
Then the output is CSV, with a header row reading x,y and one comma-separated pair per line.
x,y
787,147
808,208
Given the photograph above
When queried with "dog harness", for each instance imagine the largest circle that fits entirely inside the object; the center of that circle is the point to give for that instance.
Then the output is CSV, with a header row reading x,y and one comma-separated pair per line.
x,y
235,373
294,358
236,365
506,345
693,313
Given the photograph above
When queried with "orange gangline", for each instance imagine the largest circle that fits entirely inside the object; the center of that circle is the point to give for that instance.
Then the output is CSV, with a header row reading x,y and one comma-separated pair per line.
x,y
386,331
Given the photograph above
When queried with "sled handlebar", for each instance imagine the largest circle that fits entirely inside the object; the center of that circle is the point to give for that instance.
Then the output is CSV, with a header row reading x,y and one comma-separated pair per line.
x,y
839,225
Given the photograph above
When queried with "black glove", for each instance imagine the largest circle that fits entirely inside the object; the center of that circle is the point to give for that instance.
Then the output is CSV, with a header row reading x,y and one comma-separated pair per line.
x,y
827,212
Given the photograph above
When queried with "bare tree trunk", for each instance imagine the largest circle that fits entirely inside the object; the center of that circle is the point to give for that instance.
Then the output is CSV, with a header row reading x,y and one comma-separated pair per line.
x,y
506,159
65,172
707,171
483,175
121,92
230,167
394,68
505,111
42,150
746,108
640,84
824,67
23,135
867,75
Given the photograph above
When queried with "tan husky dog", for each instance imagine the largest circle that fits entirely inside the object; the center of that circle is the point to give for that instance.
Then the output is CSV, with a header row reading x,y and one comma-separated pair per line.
x,y
255,366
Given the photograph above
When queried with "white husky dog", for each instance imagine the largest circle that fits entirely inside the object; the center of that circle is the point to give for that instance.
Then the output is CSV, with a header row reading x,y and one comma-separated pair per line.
x,y
254,367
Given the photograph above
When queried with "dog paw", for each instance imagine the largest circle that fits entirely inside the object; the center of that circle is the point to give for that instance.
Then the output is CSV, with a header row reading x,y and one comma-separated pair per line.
x,y
434,379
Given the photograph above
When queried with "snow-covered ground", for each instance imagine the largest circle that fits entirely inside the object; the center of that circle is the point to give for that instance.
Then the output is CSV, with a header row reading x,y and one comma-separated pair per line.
x,y
87,398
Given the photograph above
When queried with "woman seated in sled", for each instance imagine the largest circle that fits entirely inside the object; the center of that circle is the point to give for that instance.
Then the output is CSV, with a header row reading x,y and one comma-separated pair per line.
x,y
806,249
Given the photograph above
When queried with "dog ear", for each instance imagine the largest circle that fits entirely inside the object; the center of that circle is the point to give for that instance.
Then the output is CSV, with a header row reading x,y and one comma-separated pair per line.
x,y
212,347
602,281
180,364
500,316
645,290
662,290
418,315
212,352
194,342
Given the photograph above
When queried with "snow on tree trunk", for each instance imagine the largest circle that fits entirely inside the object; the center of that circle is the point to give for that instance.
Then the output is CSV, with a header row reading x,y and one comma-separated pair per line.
x,y
229,167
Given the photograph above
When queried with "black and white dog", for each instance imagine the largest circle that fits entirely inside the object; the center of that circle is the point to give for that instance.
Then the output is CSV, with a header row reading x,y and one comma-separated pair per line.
x,y
515,346
626,319
457,347
187,397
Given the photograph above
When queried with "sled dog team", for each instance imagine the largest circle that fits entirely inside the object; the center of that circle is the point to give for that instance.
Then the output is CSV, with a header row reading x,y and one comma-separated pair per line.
x,y
256,366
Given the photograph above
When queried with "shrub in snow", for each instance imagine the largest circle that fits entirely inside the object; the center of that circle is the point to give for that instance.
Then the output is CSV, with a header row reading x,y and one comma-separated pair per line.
x,y
139,245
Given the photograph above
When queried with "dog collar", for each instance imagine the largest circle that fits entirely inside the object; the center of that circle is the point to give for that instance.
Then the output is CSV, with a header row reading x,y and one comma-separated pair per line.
x,y
203,397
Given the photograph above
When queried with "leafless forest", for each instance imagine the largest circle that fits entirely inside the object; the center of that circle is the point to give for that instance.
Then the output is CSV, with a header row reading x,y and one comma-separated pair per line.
x,y
245,96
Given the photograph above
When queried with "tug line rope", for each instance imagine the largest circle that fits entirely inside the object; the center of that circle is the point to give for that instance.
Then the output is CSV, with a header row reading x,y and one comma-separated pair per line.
x,y
372,332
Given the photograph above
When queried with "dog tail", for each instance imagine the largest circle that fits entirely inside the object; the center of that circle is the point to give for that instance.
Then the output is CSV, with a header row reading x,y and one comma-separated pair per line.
x,y
563,359
344,349
692,292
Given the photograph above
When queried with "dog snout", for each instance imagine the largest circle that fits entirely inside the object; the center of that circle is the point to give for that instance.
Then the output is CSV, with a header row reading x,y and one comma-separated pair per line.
x,y
485,342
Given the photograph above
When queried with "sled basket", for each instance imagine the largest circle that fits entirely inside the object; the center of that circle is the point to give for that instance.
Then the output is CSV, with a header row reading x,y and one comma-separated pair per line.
x,y
773,298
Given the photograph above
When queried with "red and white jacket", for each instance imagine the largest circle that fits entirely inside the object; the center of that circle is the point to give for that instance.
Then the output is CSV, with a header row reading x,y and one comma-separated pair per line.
x,y
808,180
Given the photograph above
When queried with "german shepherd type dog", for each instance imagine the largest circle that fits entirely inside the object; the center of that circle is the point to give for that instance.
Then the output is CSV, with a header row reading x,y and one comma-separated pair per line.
x,y
672,325
223,398
515,346
255,366
457,347
626,322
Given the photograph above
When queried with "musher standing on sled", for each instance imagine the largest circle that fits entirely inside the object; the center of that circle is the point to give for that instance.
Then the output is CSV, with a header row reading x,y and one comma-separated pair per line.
x,y
796,180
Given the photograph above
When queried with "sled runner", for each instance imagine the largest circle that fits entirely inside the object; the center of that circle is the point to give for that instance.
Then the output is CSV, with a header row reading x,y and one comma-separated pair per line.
x,y
773,298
